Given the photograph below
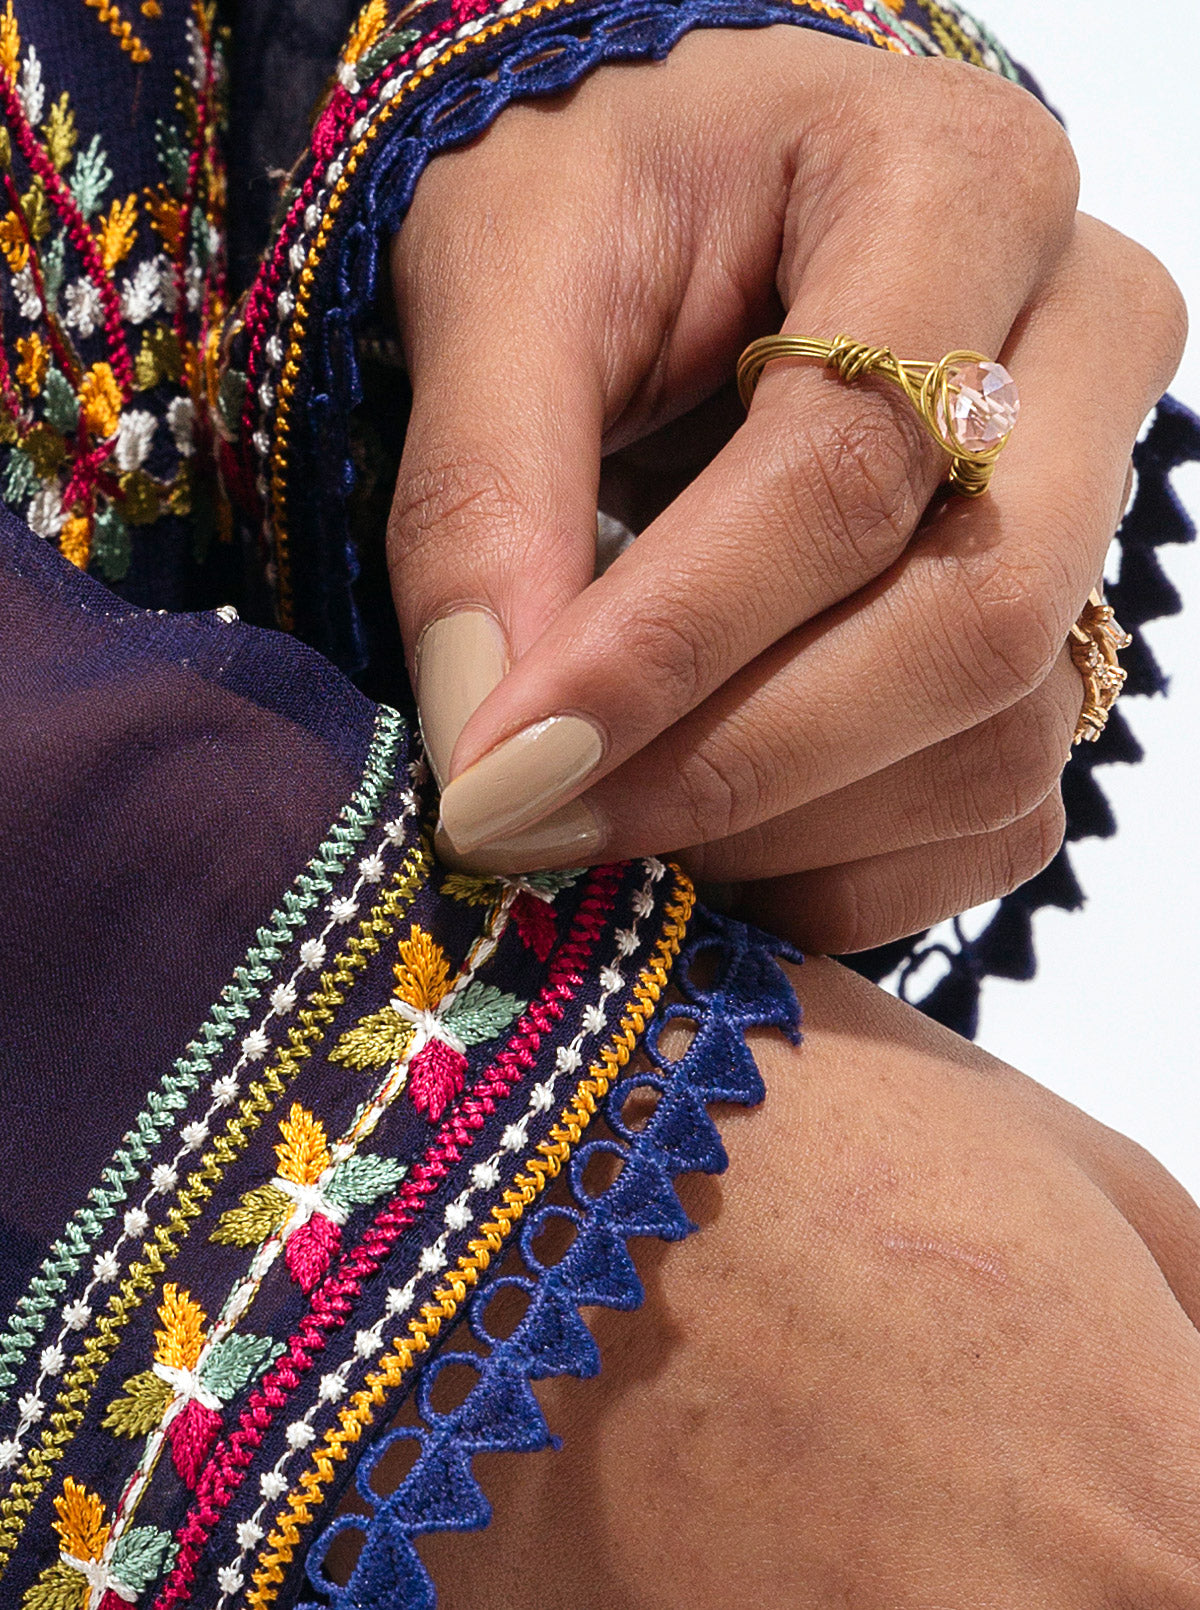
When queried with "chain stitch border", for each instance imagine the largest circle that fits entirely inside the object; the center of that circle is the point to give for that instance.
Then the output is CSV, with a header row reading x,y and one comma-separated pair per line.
x,y
542,1166
249,980
164,1245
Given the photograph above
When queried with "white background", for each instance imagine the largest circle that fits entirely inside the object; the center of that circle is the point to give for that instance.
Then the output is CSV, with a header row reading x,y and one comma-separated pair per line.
x,y
1112,1021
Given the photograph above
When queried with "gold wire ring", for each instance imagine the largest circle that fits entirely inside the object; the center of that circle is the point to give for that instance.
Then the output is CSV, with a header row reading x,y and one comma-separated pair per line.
x,y
1095,642
967,402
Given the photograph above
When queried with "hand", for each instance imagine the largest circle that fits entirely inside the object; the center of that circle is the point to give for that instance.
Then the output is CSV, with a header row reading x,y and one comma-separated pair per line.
x,y
934,1349
810,673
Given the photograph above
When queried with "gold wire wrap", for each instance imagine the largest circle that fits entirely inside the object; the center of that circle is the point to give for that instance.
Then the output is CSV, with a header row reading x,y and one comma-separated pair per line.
x,y
926,385
1095,642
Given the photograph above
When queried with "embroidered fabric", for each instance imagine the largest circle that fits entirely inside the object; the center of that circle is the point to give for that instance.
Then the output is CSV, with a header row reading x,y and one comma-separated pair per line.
x,y
306,1096
231,1278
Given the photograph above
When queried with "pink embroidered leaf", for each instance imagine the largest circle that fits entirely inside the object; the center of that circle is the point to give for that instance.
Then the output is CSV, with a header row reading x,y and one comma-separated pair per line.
x,y
535,924
310,1250
435,1076
191,1434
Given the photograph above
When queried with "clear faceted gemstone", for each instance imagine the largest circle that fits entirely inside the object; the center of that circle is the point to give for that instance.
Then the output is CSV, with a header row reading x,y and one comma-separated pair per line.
x,y
983,405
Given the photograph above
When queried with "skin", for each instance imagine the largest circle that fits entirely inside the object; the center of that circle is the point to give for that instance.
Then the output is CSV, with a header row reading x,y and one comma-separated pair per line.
x,y
934,1350
851,693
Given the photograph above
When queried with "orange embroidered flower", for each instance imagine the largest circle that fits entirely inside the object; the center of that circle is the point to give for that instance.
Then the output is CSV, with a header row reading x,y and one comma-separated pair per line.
x,y
115,233
166,218
422,973
76,540
304,1151
182,1336
366,30
100,400
13,243
34,357
80,1521
10,44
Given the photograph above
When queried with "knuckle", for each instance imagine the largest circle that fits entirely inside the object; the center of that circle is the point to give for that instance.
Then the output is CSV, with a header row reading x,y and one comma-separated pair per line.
x,y
1011,631
1022,850
1014,764
1152,304
850,470
450,498
719,793
1006,139
677,646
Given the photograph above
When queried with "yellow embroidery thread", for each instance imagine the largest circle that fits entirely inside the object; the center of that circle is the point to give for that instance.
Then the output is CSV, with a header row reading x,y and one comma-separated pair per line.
x,y
951,38
382,114
543,1165
121,30
163,1245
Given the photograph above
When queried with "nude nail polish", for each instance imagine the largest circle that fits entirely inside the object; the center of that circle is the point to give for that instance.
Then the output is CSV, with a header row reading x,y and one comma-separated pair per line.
x,y
460,659
519,781
569,836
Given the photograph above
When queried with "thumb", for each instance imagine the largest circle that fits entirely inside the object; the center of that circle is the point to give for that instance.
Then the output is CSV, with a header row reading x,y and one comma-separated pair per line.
x,y
493,524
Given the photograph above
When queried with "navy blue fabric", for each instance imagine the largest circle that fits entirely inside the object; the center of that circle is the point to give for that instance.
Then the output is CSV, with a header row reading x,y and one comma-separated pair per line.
x,y
162,779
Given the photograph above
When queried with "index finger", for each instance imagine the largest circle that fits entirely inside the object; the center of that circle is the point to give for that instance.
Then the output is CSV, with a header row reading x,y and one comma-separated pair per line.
x,y
815,496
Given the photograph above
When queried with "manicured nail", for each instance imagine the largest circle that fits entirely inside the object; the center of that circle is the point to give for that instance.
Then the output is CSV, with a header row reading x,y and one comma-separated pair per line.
x,y
569,836
460,659
519,781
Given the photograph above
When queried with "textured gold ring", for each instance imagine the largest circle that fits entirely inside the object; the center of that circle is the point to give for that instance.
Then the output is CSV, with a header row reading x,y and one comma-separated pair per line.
x,y
967,403
1095,640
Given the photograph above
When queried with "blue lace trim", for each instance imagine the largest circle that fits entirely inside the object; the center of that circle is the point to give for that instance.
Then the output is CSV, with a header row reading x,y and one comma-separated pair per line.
x,y
540,58
546,58
501,1413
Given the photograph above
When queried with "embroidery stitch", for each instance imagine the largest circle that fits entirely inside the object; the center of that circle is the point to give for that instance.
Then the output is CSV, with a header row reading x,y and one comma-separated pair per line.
x,y
541,1167
77,448
121,30
483,1176
90,1571
167,1237
331,1305
424,1030
155,1122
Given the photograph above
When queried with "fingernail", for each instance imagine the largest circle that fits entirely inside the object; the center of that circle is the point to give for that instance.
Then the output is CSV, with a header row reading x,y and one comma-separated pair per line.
x,y
519,781
460,659
569,836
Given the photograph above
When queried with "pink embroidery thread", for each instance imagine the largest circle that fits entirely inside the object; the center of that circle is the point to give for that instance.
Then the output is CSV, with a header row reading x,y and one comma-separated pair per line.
x,y
333,1303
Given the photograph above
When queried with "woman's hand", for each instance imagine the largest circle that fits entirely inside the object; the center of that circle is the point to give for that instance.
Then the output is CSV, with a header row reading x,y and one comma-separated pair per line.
x,y
805,674
934,1349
